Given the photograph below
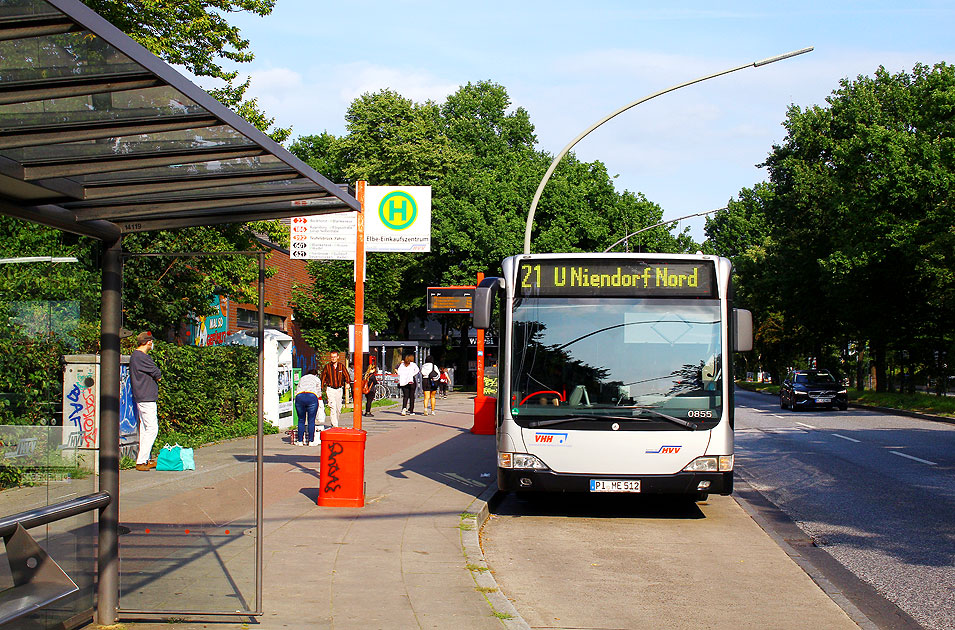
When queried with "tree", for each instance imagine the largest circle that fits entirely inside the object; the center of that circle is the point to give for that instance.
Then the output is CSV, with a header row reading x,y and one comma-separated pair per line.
x,y
195,35
478,154
860,217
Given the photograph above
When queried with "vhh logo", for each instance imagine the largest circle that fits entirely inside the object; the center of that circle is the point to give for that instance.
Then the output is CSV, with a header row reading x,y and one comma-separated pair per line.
x,y
559,439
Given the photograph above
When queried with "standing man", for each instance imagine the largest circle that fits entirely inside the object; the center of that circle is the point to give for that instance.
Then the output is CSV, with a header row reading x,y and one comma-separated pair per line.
x,y
406,382
144,378
334,378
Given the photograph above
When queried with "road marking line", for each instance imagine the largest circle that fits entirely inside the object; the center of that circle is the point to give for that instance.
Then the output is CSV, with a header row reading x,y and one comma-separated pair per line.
x,y
759,410
847,438
918,459
776,415
803,424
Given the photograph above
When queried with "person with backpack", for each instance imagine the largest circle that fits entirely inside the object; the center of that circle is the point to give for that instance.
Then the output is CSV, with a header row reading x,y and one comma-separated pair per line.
x,y
443,381
429,383
368,383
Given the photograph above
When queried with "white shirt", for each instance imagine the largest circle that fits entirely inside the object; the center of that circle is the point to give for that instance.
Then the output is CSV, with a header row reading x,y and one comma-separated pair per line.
x,y
406,373
309,384
427,368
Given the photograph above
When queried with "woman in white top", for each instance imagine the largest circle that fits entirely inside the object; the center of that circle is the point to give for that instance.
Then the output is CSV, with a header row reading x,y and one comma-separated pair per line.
x,y
429,383
406,373
308,400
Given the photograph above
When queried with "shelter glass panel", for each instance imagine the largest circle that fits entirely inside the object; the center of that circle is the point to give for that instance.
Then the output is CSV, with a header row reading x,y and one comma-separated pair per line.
x,y
49,397
187,538
134,146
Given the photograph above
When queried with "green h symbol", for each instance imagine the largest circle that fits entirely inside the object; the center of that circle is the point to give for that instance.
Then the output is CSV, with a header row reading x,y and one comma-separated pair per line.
x,y
398,210
394,208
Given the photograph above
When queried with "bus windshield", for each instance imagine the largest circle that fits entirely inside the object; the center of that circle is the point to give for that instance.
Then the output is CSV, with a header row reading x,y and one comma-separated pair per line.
x,y
646,360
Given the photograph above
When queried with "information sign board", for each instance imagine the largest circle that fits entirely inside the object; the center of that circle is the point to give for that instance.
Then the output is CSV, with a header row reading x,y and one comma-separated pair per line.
x,y
398,218
450,299
607,277
324,236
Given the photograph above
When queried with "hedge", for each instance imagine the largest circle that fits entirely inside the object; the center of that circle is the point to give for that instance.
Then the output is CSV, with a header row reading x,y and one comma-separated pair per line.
x,y
206,394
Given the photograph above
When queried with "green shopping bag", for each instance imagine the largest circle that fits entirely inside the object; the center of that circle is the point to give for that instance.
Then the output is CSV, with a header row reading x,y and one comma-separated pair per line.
x,y
169,458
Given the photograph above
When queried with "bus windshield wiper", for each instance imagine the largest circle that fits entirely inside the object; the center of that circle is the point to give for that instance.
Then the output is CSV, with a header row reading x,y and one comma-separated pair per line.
x,y
692,426
555,421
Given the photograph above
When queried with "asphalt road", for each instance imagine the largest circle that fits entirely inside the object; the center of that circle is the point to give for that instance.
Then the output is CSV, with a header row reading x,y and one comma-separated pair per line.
x,y
874,491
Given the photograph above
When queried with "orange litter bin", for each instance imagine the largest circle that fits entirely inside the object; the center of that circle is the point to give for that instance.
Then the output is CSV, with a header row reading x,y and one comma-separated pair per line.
x,y
485,416
342,475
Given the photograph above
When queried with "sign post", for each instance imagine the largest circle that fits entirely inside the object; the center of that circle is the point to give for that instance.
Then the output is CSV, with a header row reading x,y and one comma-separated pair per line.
x,y
484,406
359,306
342,466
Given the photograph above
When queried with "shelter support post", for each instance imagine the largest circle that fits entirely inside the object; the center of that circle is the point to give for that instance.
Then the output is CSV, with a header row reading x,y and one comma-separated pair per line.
x,y
260,447
111,314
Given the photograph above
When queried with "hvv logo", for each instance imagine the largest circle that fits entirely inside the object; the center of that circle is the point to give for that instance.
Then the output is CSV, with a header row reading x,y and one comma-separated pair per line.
x,y
666,449
548,437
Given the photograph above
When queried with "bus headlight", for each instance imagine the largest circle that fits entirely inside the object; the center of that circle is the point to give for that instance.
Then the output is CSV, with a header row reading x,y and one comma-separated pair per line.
x,y
702,464
723,463
519,460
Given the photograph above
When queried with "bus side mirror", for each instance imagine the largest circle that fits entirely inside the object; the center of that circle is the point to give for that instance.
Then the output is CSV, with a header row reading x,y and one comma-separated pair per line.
x,y
484,301
744,330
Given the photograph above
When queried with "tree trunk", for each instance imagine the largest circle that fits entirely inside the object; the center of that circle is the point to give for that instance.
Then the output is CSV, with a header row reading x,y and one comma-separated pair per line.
x,y
465,378
878,351
860,372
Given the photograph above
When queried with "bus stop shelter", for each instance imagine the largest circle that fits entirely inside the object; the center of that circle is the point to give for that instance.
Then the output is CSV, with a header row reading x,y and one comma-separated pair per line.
x,y
98,137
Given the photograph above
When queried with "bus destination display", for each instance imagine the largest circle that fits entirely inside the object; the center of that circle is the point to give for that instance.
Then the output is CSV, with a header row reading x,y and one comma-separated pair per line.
x,y
616,278
450,299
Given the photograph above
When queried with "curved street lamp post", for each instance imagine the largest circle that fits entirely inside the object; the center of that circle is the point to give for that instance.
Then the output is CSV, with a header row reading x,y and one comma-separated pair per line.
x,y
565,150
650,227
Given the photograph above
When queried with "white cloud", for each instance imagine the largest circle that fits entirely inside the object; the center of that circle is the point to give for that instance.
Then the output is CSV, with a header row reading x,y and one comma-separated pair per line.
x,y
315,99
356,79
272,80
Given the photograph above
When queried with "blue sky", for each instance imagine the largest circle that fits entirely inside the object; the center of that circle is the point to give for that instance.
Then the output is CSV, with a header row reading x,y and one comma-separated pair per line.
x,y
570,63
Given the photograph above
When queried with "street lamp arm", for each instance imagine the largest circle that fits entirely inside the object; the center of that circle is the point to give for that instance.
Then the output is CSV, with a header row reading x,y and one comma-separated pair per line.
x,y
565,150
650,227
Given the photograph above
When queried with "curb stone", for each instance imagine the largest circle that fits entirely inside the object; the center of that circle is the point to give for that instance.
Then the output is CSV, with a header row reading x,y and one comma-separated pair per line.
x,y
476,516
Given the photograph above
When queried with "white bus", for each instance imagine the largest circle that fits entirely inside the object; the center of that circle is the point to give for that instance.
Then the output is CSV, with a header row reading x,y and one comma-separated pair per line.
x,y
615,372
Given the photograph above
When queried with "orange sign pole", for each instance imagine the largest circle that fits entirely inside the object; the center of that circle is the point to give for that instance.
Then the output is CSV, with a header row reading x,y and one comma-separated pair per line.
x,y
484,406
480,355
359,306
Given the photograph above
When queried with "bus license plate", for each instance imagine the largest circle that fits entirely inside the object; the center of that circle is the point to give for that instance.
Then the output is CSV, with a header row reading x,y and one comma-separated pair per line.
x,y
615,485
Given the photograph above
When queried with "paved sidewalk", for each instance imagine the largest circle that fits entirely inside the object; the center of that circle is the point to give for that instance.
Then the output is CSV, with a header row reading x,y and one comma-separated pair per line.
x,y
398,562
409,559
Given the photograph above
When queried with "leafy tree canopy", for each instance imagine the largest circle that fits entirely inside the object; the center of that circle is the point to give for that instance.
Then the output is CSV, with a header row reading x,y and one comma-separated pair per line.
x,y
196,35
479,155
852,239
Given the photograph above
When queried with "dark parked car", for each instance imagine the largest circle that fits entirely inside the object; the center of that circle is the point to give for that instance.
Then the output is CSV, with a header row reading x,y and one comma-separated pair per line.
x,y
812,388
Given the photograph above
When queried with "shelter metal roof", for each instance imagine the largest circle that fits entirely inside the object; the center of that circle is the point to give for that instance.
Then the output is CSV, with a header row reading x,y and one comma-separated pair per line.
x,y
100,137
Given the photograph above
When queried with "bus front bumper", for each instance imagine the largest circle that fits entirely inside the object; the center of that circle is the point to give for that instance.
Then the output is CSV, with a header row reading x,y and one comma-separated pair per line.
x,y
509,480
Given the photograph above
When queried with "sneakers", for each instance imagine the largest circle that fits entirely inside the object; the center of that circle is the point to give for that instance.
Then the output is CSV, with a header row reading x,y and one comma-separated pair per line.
x,y
404,412
299,443
143,467
370,414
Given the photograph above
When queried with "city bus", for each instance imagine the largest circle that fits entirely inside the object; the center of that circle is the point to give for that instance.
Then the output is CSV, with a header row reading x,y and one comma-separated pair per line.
x,y
615,372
